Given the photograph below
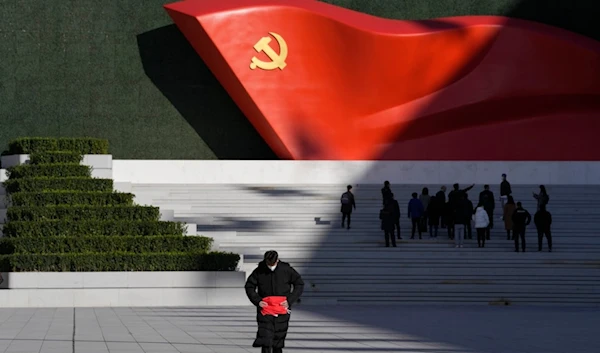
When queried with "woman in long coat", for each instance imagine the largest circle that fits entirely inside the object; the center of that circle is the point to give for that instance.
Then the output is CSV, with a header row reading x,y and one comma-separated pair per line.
x,y
509,209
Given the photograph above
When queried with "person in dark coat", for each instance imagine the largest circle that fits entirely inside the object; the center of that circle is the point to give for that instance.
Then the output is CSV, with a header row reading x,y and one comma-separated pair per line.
x,y
468,227
386,192
521,219
415,212
434,212
542,198
273,278
505,191
348,204
396,213
388,221
543,221
453,197
486,198
441,198
462,216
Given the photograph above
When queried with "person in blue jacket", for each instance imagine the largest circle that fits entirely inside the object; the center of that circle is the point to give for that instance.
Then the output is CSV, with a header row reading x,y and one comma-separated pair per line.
x,y
415,212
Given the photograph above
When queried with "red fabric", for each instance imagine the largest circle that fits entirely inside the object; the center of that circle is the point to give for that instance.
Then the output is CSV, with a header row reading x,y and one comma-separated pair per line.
x,y
274,307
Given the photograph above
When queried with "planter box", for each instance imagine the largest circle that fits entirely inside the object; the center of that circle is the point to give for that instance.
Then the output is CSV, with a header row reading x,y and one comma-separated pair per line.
x,y
117,289
101,163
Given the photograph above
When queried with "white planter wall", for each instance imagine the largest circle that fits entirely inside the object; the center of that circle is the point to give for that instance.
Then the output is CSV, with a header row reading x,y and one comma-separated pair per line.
x,y
126,172
114,289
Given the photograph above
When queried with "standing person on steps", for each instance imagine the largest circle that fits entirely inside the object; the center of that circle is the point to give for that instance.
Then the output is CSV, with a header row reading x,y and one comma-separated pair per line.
x,y
543,222
509,209
273,287
386,192
396,214
505,191
348,204
521,219
387,217
486,198
415,212
482,222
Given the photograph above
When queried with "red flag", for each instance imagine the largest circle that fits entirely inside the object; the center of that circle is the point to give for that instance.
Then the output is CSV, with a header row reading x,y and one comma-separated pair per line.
x,y
322,82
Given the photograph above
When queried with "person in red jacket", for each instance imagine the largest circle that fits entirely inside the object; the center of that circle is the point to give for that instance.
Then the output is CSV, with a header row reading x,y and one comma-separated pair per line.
x,y
273,287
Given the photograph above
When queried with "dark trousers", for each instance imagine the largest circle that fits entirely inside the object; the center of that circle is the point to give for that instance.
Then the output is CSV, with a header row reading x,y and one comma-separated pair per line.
x,y
481,237
389,234
491,225
415,226
519,233
508,235
344,216
271,350
450,226
433,230
397,225
468,231
548,234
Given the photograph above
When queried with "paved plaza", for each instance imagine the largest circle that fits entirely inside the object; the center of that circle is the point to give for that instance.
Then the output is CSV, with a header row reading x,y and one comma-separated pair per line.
x,y
482,329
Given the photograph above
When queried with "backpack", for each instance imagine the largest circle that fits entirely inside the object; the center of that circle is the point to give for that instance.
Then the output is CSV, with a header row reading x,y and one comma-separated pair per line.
x,y
345,199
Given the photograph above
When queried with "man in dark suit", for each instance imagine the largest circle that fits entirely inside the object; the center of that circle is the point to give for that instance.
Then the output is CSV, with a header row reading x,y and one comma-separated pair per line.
x,y
348,203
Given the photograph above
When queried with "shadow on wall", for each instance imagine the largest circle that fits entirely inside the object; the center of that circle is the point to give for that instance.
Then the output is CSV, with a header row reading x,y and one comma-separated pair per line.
x,y
180,74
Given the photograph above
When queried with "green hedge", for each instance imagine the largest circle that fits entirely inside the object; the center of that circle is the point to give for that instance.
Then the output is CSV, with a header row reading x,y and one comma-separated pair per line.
x,y
40,144
100,244
55,157
72,198
91,228
43,184
49,170
83,213
95,262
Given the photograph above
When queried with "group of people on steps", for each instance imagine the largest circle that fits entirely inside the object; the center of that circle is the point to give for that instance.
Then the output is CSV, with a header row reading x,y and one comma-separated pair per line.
x,y
457,214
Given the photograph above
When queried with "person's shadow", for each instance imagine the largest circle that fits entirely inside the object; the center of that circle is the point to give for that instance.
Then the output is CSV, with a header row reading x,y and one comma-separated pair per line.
x,y
184,79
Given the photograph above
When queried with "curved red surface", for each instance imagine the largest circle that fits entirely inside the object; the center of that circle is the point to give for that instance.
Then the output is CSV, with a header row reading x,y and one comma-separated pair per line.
x,y
358,87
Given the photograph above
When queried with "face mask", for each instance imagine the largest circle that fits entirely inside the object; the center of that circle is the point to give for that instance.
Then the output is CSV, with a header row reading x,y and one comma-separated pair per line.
x,y
272,268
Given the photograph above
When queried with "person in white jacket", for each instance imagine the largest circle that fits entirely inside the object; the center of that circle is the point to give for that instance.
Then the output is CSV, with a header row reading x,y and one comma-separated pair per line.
x,y
482,221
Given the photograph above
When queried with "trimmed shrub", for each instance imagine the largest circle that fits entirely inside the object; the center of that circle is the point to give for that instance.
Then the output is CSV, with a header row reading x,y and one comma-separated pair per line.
x,y
83,213
91,228
94,262
72,198
31,145
101,244
59,170
55,157
43,184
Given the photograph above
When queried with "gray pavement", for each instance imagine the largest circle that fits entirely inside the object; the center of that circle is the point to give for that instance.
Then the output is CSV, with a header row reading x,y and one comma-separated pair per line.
x,y
381,329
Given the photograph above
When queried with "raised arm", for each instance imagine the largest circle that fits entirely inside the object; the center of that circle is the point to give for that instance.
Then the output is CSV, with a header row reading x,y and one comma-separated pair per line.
x,y
469,188
251,286
298,283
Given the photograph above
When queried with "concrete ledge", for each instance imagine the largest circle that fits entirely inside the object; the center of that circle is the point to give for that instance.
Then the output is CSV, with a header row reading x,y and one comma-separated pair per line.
x,y
122,297
98,161
87,289
354,172
159,279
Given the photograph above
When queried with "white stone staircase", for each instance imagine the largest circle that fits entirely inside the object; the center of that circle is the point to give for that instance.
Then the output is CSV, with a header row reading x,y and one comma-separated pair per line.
x,y
352,266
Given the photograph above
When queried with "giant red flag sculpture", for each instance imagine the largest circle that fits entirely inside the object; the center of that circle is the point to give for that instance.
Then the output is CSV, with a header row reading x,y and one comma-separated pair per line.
x,y
322,82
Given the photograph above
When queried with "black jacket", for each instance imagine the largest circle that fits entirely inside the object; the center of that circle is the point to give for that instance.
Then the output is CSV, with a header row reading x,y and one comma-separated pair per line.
x,y
505,189
266,283
486,198
441,197
542,220
395,209
462,212
386,193
388,221
347,207
521,218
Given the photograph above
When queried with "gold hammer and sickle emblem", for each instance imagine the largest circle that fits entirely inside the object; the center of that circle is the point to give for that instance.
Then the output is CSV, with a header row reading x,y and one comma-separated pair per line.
x,y
277,60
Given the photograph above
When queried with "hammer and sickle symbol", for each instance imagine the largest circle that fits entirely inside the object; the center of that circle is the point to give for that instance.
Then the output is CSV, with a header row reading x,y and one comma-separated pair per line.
x,y
277,60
